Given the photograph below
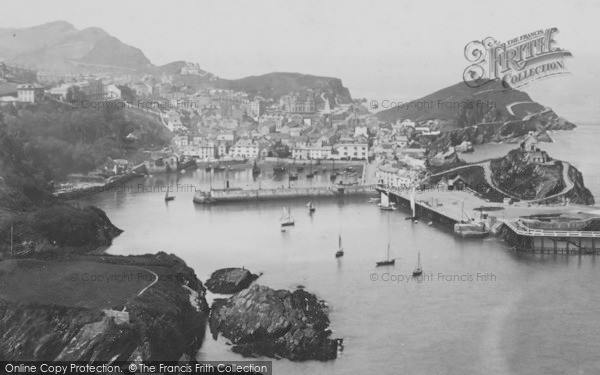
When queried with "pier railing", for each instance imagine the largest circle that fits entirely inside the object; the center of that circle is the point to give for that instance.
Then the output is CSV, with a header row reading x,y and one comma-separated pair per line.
x,y
521,229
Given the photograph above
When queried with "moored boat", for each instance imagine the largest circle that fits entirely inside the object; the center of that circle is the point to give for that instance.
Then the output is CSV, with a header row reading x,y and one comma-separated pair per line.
x,y
419,269
388,261
340,251
385,204
255,169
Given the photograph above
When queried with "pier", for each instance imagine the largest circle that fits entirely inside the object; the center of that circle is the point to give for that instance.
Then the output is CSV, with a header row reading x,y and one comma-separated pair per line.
x,y
463,208
434,211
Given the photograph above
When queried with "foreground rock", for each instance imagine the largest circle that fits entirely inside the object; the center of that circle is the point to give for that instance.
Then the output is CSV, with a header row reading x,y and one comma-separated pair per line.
x,y
275,323
155,311
230,280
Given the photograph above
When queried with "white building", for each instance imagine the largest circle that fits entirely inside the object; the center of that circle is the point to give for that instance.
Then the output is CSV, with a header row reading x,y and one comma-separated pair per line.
x,y
246,148
311,152
180,141
30,93
390,176
113,92
357,151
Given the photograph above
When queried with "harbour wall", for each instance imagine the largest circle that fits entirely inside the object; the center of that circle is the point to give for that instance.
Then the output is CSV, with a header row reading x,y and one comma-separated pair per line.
x,y
239,195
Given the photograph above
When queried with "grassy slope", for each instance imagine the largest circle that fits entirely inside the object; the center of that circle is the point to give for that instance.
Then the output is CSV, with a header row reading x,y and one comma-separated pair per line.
x,y
79,283
459,92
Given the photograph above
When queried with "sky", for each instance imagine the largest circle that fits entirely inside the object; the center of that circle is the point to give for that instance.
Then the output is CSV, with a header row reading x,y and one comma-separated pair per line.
x,y
398,50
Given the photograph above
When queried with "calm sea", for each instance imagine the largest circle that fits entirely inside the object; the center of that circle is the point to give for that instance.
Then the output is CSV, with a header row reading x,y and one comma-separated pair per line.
x,y
480,307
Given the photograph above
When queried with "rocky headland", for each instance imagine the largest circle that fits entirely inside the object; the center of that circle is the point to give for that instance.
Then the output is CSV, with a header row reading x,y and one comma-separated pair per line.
x,y
155,311
522,175
275,323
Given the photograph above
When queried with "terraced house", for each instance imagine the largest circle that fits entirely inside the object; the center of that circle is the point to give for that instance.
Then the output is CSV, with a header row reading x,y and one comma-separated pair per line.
x,y
246,148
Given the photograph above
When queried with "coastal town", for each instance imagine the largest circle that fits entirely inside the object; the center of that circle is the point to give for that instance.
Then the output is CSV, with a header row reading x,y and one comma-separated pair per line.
x,y
219,126
300,134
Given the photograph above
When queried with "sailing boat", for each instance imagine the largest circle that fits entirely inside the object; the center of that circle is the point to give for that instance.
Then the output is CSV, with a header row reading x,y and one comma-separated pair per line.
x,y
255,169
310,174
388,261
412,206
286,217
168,197
419,270
334,172
311,207
385,204
340,251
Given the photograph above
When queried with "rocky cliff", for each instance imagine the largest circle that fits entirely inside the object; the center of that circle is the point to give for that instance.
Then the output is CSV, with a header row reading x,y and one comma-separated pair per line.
x,y
275,323
164,322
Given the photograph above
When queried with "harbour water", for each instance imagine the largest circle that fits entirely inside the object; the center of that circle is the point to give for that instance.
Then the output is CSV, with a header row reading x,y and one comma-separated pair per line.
x,y
479,308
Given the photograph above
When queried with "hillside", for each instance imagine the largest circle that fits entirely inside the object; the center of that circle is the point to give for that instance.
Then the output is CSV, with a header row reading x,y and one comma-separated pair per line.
x,y
490,113
274,85
60,46
448,104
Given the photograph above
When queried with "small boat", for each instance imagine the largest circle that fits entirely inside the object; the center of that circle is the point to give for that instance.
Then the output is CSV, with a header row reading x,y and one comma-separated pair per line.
x,y
340,251
418,270
286,218
183,171
310,173
430,223
168,197
311,207
202,198
280,168
300,168
255,169
388,261
385,204
374,200
293,176
219,168
208,168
